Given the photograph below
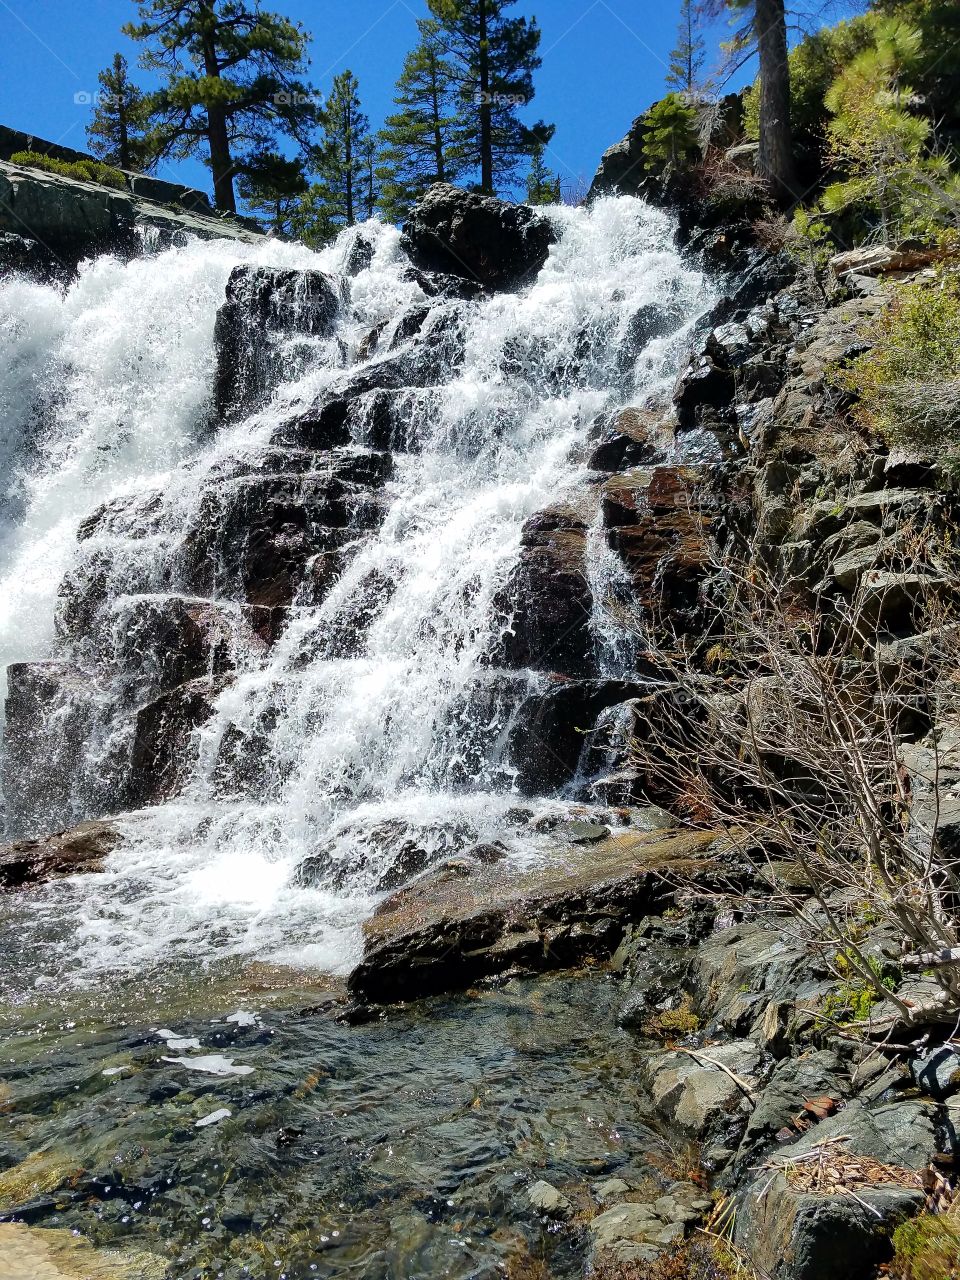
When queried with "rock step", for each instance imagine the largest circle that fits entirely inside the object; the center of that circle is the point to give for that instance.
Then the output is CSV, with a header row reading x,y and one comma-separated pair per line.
x,y
447,930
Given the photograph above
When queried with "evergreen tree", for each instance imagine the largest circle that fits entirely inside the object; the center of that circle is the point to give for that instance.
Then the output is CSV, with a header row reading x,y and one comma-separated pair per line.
x,y
271,188
344,160
231,82
766,31
543,187
686,59
118,132
423,141
369,179
492,57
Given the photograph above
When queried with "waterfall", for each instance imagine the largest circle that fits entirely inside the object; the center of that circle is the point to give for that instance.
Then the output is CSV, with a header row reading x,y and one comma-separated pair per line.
x,y
376,731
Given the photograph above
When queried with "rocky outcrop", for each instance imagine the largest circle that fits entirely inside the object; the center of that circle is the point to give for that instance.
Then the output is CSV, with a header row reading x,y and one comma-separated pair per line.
x,y
32,862
70,220
478,238
261,331
459,924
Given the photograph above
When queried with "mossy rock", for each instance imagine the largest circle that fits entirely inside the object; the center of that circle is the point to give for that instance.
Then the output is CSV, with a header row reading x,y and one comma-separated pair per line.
x,y
927,1248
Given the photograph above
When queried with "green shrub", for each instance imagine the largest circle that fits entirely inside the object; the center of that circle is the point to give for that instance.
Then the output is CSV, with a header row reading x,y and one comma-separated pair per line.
x,y
909,383
81,170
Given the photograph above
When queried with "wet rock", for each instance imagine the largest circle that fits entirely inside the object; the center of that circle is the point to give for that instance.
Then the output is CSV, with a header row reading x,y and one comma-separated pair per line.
x,y
482,239
703,384
47,710
162,754
635,436
547,736
446,931
546,602
547,1200
31,862
22,256
253,537
265,308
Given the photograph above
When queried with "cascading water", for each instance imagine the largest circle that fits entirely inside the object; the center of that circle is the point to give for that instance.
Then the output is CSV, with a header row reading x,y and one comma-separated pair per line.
x,y
378,731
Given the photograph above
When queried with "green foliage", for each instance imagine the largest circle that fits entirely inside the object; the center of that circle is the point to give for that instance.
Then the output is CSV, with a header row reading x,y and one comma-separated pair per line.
x,y
543,187
424,140
814,64
909,383
81,170
272,188
686,58
890,181
670,135
681,1021
493,75
854,999
231,83
118,132
927,1248
811,243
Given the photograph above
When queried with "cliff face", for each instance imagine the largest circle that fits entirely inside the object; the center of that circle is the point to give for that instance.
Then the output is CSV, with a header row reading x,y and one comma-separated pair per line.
x,y
48,222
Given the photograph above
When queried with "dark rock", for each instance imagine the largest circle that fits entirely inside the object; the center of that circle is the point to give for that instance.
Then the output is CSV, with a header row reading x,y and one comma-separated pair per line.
x,y
266,307
254,536
938,1072
22,256
795,1235
446,931
546,602
31,862
628,441
482,239
162,755
702,384
548,731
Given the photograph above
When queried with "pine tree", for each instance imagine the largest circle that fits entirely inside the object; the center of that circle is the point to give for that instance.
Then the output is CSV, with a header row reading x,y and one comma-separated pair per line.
x,y
686,59
492,57
766,31
231,82
423,141
272,187
344,160
118,132
543,187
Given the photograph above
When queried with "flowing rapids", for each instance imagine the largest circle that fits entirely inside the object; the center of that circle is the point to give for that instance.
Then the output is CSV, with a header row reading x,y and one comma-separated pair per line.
x,y
378,717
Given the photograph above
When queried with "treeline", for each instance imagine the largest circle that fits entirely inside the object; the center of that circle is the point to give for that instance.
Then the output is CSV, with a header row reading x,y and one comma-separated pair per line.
x,y
234,91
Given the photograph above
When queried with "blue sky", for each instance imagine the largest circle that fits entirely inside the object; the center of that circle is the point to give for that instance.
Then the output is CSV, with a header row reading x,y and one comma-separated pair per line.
x,y
604,61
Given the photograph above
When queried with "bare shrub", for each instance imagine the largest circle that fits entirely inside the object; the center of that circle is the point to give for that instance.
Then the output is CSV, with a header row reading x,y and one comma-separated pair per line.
x,y
822,744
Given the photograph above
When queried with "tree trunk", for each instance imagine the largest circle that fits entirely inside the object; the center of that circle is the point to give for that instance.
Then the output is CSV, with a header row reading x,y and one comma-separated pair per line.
x,y
124,147
486,107
775,161
348,169
437,134
221,162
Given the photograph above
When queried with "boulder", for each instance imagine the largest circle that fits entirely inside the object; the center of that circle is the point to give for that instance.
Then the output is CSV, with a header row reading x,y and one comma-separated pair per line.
x,y
694,1093
546,602
449,929
546,1199
795,1235
482,239
633,437
83,848
265,308
163,754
